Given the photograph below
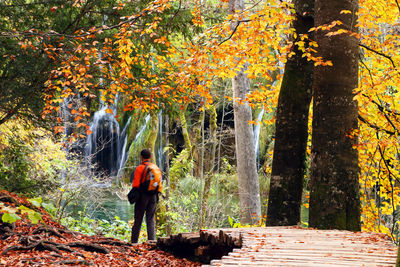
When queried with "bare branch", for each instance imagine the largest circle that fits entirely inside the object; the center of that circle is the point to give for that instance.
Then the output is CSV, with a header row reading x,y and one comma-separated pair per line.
x,y
176,13
362,119
369,71
397,3
232,33
379,53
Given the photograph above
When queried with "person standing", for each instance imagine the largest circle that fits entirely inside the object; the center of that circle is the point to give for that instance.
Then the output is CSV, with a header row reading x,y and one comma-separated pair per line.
x,y
147,178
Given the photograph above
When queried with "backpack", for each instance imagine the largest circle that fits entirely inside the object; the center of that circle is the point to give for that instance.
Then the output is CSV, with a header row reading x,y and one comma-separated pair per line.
x,y
151,180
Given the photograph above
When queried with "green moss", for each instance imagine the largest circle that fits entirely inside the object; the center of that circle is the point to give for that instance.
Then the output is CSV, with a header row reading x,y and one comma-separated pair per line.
x,y
181,166
148,140
151,135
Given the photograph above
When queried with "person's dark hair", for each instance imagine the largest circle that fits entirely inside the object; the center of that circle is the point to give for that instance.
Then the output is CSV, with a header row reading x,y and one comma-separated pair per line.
x,y
145,153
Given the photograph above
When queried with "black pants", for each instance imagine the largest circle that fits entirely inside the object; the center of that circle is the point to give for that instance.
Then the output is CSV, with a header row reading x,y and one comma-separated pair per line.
x,y
146,203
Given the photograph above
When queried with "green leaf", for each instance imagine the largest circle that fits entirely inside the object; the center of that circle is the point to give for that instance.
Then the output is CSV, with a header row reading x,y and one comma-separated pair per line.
x,y
49,207
37,202
10,217
230,221
34,217
24,209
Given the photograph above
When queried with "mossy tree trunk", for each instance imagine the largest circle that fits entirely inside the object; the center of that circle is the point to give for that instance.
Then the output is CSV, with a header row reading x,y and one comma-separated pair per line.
x,y
288,165
249,189
199,158
334,196
150,142
184,125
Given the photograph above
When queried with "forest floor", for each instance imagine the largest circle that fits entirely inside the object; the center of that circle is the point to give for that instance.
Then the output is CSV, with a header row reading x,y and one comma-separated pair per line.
x,y
50,244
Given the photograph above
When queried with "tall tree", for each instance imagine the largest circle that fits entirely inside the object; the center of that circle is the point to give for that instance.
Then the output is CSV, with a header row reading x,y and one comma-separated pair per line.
x,y
334,196
249,190
25,27
288,165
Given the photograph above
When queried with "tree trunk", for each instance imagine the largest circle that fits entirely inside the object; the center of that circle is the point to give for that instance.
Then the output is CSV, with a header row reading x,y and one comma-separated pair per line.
x,y
166,178
334,196
249,190
185,132
152,137
288,165
212,111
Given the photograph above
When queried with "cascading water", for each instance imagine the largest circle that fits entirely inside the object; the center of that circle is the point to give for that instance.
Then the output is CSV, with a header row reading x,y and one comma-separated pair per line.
x,y
139,139
140,134
106,144
160,146
257,129
123,141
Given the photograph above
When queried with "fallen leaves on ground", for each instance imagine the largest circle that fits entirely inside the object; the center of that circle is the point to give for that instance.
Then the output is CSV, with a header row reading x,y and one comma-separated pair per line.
x,y
50,244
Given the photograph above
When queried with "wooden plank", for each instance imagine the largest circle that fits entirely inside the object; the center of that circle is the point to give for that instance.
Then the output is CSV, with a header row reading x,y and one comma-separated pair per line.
x,y
240,260
323,258
283,262
321,247
307,252
291,246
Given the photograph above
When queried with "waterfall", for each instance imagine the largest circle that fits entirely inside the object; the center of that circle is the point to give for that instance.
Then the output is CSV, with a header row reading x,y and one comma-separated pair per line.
x,y
102,143
160,146
123,155
257,129
139,139
140,134
106,145
65,115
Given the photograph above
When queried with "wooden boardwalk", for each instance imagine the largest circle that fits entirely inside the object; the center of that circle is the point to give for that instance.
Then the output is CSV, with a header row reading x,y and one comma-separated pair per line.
x,y
291,246
283,246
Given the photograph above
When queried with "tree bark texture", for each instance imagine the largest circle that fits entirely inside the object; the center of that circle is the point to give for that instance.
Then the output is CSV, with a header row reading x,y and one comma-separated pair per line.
x,y
334,196
249,189
185,132
288,165
152,137
209,175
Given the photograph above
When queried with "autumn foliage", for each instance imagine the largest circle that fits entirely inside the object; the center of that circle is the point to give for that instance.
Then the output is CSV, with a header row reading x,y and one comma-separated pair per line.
x,y
137,59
